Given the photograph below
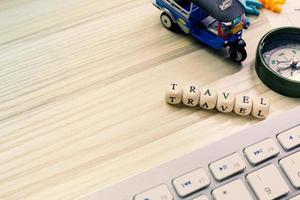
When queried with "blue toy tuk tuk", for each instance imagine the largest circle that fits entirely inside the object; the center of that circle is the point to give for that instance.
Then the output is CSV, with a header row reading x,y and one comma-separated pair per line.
x,y
217,23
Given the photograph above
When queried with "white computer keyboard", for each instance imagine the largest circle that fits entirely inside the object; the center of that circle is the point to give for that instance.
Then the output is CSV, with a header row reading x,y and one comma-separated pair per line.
x,y
262,162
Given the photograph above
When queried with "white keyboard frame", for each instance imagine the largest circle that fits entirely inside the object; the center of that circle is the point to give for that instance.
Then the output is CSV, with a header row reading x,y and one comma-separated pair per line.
x,y
165,173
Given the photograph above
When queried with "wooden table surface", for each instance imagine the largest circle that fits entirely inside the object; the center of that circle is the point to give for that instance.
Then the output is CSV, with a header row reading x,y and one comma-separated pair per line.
x,y
81,91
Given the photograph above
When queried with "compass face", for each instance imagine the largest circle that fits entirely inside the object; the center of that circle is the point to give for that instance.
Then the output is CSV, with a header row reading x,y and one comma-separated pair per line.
x,y
277,62
284,60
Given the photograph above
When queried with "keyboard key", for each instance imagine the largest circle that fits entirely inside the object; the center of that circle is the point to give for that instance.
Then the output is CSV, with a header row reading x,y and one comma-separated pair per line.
x,y
290,139
227,166
296,198
267,183
202,197
160,192
191,182
291,167
235,190
261,151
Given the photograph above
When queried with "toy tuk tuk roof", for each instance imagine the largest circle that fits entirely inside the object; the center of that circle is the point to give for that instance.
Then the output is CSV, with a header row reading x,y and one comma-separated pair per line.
x,y
214,8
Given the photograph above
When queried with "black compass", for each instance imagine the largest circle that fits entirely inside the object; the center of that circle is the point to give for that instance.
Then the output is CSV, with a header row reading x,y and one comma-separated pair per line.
x,y
278,60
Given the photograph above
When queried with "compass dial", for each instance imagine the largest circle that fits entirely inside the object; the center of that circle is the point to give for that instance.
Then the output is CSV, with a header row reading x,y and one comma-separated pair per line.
x,y
278,60
285,60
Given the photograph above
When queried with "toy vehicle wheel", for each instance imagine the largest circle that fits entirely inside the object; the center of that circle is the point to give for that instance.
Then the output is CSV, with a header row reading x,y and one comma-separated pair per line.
x,y
167,22
238,54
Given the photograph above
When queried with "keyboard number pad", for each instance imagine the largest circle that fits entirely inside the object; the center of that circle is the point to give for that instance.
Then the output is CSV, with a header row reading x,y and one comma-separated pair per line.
x,y
191,182
267,183
261,151
160,192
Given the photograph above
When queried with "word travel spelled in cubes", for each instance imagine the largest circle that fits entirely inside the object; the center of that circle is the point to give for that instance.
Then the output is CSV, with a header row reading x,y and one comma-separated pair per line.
x,y
191,95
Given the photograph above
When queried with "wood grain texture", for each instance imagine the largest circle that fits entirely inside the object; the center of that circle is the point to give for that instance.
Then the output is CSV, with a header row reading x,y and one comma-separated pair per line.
x,y
81,92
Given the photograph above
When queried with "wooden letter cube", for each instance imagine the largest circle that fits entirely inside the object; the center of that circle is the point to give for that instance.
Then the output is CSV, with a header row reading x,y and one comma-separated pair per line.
x,y
173,93
261,108
208,99
191,95
243,105
225,102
